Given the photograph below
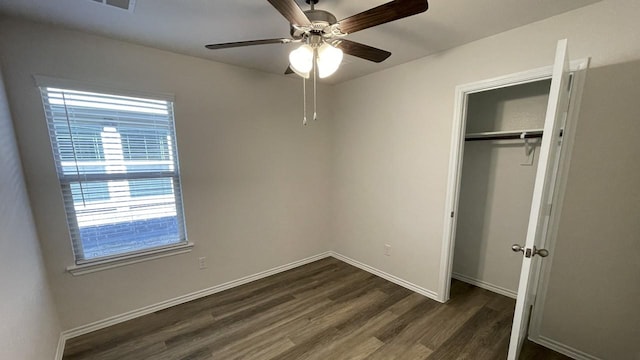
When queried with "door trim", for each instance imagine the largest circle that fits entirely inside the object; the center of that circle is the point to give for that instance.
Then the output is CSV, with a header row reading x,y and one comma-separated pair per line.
x,y
457,150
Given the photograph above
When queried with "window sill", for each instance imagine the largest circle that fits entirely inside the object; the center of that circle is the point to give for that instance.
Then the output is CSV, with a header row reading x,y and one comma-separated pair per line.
x,y
105,264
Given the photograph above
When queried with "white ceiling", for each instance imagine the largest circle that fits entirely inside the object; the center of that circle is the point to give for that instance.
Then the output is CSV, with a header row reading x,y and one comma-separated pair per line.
x,y
186,26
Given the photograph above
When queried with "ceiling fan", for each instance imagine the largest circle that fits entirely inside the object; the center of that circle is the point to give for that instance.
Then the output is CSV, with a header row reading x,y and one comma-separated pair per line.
x,y
323,37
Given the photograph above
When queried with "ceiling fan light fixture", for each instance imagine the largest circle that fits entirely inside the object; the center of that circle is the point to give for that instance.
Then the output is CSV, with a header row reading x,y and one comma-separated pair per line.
x,y
319,30
329,60
301,60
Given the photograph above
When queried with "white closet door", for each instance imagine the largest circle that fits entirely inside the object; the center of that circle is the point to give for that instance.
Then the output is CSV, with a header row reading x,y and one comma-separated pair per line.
x,y
542,194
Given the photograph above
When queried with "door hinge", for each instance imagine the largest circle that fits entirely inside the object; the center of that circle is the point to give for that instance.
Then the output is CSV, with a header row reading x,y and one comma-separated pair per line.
x,y
452,214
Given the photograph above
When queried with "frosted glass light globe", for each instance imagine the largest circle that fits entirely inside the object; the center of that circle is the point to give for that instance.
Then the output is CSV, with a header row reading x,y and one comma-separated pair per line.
x,y
301,60
329,59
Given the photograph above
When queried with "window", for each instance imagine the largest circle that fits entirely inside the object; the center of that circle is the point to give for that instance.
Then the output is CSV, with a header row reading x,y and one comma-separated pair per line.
x,y
117,163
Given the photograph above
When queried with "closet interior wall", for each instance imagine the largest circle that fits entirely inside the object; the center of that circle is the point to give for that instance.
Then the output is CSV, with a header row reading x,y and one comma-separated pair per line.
x,y
497,186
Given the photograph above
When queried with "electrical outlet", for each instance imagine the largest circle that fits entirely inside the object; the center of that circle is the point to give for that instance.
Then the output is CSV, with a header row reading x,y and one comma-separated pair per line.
x,y
202,263
387,249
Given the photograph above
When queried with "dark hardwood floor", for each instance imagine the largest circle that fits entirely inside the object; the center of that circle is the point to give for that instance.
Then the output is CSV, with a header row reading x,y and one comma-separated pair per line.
x,y
323,310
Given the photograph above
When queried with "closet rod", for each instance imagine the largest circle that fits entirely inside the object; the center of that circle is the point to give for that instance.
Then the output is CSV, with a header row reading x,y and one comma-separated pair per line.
x,y
504,135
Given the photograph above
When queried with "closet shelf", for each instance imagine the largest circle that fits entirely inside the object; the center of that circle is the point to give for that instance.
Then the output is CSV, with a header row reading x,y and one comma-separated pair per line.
x,y
504,135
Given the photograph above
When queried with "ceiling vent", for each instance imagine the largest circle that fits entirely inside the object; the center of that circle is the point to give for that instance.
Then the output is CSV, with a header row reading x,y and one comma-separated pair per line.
x,y
127,5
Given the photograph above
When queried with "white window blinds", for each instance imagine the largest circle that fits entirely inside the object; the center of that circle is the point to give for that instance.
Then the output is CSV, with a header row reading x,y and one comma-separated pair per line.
x,y
117,163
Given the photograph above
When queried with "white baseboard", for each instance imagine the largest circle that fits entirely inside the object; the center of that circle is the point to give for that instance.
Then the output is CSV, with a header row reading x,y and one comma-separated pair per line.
x,y
394,279
113,320
485,285
101,324
563,349
541,340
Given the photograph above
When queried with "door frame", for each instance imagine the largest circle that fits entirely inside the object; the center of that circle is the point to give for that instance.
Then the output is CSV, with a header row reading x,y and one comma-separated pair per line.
x,y
462,92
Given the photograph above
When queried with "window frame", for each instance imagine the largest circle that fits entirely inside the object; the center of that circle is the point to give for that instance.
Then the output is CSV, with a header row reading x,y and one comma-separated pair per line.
x,y
84,266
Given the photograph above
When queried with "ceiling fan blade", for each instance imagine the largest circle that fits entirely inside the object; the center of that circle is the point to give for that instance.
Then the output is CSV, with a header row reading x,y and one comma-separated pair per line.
x,y
288,71
363,51
384,13
247,43
291,11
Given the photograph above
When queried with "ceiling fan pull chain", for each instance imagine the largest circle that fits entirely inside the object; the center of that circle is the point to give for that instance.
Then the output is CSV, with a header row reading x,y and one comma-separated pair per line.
x,y
315,80
304,101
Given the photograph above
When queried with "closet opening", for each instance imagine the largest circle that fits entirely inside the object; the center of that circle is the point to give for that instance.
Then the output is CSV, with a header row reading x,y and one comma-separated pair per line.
x,y
510,152
501,135
503,132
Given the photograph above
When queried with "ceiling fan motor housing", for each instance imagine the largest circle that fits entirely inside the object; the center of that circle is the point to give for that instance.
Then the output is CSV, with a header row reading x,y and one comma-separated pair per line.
x,y
321,22
317,28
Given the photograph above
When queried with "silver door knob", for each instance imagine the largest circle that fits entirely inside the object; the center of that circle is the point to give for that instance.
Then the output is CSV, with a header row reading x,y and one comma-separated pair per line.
x,y
540,252
528,253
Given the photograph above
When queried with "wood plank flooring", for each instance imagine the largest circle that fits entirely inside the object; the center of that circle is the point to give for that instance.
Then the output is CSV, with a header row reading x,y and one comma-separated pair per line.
x,y
323,310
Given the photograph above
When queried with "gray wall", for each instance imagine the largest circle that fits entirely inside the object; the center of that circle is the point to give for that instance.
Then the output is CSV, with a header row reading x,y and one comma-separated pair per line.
x,y
392,142
29,328
392,133
593,295
255,182
254,179
496,189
